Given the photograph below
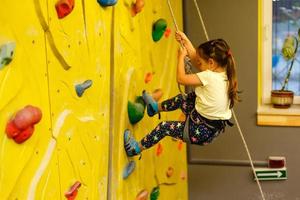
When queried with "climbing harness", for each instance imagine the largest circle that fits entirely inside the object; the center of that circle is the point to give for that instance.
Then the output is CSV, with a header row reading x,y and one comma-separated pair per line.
x,y
215,125
186,137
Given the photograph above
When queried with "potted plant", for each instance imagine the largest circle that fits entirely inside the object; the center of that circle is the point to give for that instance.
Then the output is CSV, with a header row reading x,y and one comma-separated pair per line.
x,y
283,98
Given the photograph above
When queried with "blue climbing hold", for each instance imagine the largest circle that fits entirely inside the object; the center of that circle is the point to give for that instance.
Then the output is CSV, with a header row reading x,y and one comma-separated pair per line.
x,y
106,3
6,53
80,88
128,169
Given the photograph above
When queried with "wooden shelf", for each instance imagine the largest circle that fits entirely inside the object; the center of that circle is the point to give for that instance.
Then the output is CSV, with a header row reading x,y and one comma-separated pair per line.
x,y
269,116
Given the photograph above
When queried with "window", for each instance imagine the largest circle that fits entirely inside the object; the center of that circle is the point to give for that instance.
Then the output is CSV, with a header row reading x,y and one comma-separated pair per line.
x,y
277,19
285,21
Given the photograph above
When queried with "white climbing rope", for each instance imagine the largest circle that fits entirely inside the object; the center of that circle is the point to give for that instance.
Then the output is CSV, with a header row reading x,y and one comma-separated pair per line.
x,y
187,65
233,113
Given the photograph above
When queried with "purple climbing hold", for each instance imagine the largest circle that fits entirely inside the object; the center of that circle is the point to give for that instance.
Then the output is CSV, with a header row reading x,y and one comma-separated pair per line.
x,y
128,169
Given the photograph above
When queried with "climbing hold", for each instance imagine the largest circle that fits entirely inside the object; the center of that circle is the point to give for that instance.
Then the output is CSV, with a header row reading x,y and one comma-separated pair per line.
x,y
72,192
154,193
140,100
21,127
148,77
11,129
28,116
167,32
64,8
24,135
137,7
158,29
142,195
157,94
6,53
170,172
80,88
182,175
136,110
180,145
106,3
128,169
159,149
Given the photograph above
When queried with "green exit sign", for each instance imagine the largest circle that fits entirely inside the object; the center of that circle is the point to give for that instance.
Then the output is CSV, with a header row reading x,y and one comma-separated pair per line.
x,y
271,173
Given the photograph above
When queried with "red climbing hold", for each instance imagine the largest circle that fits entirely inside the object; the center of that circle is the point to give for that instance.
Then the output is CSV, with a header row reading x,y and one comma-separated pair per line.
x,y
11,129
64,7
24,135
72,192
21,126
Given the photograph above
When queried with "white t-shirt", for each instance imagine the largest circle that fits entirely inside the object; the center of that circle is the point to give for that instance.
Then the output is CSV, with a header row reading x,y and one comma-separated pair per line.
x,y
212,100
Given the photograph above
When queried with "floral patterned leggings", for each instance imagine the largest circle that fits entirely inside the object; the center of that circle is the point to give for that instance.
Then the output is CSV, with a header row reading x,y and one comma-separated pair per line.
x,y
200,134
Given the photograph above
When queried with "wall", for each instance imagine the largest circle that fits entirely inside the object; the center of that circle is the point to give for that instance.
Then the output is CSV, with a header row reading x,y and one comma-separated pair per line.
x,y
237,23
81,138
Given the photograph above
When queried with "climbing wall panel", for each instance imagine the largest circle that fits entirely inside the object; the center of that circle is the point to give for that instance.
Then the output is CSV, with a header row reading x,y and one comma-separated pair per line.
x,y
23,82
135,55
70,143
63,67
83,38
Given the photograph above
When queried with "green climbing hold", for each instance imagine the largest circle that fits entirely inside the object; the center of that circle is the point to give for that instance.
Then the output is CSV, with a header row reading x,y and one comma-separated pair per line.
x,y
158,29
154,193
139,99
136,110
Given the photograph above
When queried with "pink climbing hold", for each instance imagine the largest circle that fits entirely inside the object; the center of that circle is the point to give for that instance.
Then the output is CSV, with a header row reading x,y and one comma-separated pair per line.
x,y
27,116
64,8
142,195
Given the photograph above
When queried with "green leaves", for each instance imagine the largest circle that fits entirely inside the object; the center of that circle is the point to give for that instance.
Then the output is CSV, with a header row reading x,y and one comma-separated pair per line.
x,y
288,49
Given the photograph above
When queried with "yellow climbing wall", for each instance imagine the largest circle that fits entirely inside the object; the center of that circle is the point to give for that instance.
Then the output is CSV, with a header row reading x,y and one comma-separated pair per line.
x,y
72,141
136,54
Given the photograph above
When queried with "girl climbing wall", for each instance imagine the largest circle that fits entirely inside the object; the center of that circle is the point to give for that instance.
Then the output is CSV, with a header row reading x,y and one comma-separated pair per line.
x,y
207,109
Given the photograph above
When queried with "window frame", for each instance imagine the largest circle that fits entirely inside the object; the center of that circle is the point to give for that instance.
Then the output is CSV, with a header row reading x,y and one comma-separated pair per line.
x,y
266,114
267,53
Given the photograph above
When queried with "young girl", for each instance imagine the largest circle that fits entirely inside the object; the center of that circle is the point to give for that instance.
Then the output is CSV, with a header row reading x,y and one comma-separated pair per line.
x,y
207,110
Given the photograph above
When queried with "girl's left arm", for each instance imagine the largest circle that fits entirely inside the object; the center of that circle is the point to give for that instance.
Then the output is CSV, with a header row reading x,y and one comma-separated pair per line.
x,y
182,77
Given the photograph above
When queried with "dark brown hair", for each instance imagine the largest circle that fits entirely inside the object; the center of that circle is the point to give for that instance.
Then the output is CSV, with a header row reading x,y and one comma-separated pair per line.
x,y
220,52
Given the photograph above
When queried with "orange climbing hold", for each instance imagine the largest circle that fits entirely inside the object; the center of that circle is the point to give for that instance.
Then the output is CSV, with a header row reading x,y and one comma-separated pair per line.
x,y
167,32
159,149
180,145
137,7
157,94
170,172
148,77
